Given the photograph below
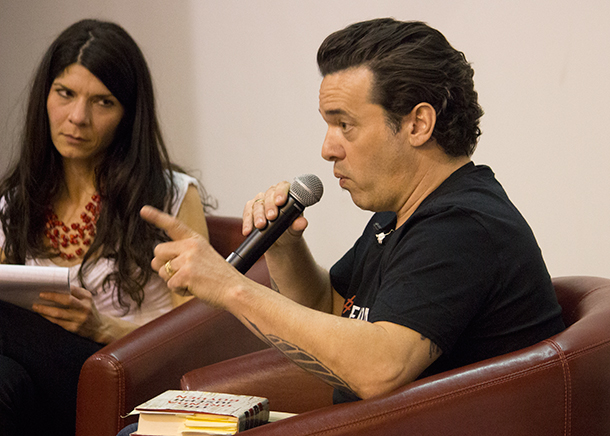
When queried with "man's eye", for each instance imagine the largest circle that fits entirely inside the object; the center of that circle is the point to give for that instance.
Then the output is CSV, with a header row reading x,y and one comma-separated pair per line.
x,y
106,102
345,127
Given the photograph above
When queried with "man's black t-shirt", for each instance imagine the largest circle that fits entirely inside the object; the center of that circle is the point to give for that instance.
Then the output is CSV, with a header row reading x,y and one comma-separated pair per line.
x,y
464,271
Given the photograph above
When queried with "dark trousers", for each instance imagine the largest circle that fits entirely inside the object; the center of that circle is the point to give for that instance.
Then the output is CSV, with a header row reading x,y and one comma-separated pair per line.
x,y
126,431
40,364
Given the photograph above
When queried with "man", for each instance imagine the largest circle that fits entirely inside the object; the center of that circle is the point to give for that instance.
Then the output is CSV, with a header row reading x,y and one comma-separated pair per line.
x,y
447,272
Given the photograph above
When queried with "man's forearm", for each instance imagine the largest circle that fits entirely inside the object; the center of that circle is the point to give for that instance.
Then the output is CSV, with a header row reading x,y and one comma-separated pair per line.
x,y
365,358
296,275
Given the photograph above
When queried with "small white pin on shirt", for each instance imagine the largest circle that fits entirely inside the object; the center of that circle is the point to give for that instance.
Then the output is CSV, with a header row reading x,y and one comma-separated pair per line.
x,y
381,236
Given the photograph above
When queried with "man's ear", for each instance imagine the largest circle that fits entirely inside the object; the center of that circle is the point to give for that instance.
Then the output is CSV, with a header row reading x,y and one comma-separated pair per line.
x,y
420,124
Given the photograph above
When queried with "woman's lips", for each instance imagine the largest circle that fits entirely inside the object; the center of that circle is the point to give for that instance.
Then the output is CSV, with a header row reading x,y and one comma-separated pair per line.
x,y
74,139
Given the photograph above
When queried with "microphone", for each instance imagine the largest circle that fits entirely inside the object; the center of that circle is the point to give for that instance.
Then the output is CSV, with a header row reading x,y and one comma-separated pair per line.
x,y
305,190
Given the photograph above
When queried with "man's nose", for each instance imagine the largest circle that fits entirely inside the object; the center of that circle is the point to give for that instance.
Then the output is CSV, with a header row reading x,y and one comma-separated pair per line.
x,y
332,149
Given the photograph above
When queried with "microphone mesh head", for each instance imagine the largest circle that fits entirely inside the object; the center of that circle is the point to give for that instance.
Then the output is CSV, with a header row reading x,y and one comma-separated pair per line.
x,y
307,189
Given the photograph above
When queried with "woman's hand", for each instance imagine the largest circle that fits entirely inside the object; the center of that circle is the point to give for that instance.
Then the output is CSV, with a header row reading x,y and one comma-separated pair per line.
x,y
77,313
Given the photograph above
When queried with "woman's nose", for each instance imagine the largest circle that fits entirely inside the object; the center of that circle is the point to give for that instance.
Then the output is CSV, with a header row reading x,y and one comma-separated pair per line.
x,y
79,113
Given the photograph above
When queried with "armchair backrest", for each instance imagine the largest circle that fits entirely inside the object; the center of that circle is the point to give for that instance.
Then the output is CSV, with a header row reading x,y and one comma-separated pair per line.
x,y
225,233
225,237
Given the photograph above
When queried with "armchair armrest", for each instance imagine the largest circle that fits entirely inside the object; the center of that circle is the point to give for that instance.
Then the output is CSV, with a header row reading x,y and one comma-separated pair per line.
x,y
265,373
151,360
478,399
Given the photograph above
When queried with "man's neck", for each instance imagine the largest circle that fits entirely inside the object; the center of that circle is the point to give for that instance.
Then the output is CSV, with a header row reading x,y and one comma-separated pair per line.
x,y
432,175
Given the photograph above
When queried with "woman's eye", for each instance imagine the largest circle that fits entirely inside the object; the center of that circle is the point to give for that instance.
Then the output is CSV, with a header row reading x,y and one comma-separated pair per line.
x,y
63,92
106,102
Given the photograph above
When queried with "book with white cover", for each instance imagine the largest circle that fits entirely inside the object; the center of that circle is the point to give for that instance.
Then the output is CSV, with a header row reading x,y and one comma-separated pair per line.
x,y
180,413
21,284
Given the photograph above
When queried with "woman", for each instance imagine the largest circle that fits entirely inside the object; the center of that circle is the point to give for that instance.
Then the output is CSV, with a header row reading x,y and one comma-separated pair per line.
x,y
91,156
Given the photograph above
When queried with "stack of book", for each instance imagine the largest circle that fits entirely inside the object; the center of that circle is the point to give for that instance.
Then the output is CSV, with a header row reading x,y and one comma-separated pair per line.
x,y
196,413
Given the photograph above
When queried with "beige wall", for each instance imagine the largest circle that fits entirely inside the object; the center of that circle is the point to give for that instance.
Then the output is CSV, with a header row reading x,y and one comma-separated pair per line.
x,y
237,91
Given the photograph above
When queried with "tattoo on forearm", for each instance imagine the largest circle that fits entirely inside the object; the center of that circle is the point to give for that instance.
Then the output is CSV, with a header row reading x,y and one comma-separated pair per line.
x,y
305,360
435,350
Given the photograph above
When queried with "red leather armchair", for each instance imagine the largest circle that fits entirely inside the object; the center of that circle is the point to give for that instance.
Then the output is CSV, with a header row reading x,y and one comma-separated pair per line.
x,y
558,387
152,358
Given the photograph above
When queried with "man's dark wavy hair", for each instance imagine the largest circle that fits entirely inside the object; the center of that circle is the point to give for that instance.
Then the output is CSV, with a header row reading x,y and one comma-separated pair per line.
x,y
411,63
135,170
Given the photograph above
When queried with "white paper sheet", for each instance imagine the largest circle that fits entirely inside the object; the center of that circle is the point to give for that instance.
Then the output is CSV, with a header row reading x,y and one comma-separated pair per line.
x,y
21,284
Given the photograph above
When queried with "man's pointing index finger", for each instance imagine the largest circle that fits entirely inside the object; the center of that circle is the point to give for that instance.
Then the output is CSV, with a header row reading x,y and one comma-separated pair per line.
x,y
174,228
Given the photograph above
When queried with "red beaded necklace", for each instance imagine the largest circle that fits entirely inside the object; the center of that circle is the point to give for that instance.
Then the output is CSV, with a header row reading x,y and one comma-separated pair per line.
x,y
69,241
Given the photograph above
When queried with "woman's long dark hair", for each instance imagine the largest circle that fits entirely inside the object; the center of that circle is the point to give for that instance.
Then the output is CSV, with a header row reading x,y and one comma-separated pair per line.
x,y
135,170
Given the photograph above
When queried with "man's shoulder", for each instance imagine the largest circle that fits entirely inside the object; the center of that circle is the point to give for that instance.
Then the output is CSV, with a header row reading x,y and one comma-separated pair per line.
x,y
471,188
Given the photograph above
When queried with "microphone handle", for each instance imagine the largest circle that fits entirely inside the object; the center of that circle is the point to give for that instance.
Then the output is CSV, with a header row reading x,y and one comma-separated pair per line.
x,y
258,241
